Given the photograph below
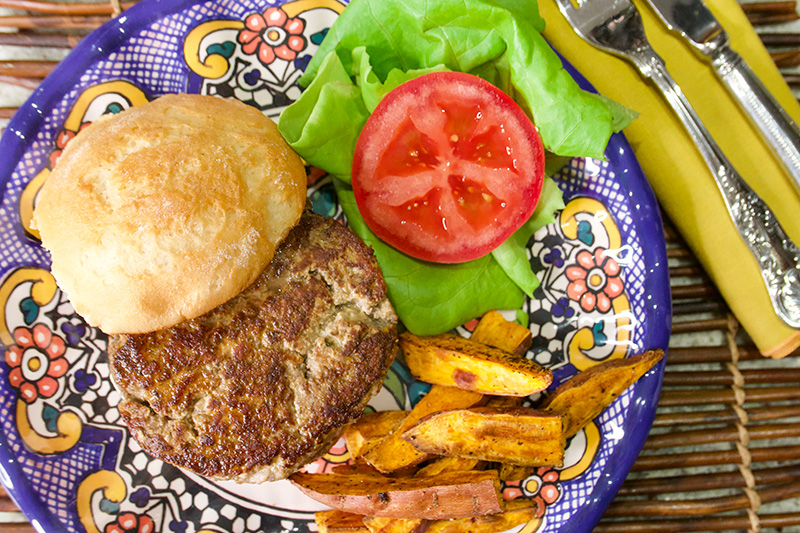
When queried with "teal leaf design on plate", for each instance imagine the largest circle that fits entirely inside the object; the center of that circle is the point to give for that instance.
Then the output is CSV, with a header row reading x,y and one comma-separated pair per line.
x,y
107,506
323,201
30,310
113,108
600,338
318,37
585,234
225,49
394,384
50,417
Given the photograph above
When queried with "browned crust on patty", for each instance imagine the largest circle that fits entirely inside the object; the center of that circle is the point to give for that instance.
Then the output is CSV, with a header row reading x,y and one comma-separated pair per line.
x,y
261,385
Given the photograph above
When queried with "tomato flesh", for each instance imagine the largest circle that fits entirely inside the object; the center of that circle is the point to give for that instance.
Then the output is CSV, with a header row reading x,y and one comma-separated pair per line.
x,y
447,168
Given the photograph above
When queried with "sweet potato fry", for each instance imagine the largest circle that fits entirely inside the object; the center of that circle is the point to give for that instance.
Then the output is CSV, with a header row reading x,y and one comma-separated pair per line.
x,y
518,512
584,396
505,401
335,521
456,361
355,468
393,453
381,524
445,496
449,464
509,472
493,329
520,436
363,434
413,525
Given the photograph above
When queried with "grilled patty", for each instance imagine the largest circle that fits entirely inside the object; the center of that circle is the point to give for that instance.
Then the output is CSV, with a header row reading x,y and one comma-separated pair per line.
x,y
261,385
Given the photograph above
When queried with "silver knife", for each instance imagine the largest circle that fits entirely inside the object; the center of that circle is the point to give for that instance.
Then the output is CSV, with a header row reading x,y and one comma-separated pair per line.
x,y
693,20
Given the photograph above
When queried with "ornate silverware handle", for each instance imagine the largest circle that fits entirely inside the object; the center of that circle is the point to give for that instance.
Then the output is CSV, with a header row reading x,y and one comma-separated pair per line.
x,y
777,128
777,256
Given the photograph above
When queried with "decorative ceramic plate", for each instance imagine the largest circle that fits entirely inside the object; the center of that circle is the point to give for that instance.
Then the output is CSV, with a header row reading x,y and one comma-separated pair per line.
x,y
65,455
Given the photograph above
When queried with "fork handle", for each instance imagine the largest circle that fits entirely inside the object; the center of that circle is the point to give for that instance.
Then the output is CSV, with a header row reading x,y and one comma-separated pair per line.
x,y
776,127
777,256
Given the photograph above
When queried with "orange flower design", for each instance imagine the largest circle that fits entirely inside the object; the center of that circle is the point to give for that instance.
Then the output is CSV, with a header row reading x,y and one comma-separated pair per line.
x,y
36,360
272,35
594,281
131,523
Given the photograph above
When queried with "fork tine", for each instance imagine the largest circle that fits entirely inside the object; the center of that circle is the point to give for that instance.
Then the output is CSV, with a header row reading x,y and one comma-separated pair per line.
x,y
612,25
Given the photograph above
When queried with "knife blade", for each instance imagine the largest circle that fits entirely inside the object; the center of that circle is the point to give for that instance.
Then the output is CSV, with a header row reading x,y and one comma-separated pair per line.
x,y
695,22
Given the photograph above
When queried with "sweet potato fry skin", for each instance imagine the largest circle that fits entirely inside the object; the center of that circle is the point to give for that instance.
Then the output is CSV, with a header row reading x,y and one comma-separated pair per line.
x,y
445,496
363,434
517,512
353,469
335,521
584,396
393,453
520,436
455,361
493,329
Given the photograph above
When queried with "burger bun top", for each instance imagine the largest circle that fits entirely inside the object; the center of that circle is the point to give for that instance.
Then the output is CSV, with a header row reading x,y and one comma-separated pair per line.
x,y
164,211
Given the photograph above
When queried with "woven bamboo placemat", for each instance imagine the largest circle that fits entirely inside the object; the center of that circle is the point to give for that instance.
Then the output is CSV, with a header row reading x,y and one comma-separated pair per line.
x,y
724,451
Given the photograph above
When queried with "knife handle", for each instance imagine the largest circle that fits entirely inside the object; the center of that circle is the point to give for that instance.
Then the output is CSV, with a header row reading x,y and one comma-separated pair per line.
x,y
777,129
777,256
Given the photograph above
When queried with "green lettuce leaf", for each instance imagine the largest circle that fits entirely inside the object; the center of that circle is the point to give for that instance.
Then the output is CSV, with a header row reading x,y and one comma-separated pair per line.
x,y
324,123
512,255
498,40
375,46
429,297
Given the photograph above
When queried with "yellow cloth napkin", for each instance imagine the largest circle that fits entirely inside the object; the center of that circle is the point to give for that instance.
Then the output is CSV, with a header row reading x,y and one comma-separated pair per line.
x,y
674,167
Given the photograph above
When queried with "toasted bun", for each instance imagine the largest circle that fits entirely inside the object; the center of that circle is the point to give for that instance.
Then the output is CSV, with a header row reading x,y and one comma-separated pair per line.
x,y
164,211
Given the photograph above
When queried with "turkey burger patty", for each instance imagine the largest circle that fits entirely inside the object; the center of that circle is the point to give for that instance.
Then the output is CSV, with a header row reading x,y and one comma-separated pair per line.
x,y
246,331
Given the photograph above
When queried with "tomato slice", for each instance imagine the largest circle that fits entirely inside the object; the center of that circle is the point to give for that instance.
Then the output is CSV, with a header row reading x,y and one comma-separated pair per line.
x,y
447,167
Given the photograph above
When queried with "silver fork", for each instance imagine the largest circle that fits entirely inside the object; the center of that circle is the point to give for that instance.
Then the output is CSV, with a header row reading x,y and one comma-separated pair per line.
x,y
616,26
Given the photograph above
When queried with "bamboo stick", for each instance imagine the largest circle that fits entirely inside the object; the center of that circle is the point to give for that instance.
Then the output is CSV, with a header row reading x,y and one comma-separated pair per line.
x,y
27,69
758,19
670,233
25,83
679,253
7,505
713,458
695,524
700,507
723,377
787,6
689,307
706,482
710,354
30,39
726,415
780,39
686,271
695,437
787,59
698,306
697,290
55,8
52,22
671,397
17,527
693,326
